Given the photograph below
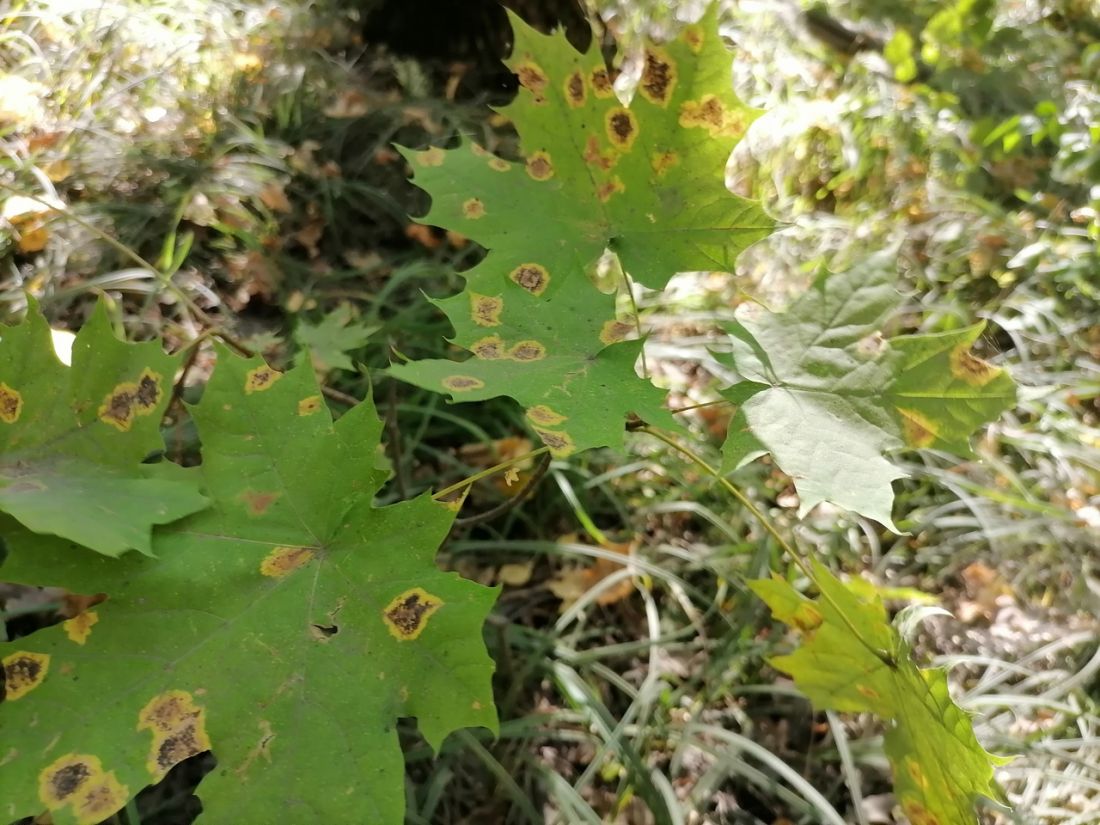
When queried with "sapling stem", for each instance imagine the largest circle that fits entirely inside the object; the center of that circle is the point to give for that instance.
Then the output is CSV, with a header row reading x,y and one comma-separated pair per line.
x,y
766,523
496,468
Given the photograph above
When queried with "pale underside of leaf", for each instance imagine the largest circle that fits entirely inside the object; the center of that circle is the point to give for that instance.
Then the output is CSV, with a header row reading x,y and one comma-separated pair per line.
x,y
829,397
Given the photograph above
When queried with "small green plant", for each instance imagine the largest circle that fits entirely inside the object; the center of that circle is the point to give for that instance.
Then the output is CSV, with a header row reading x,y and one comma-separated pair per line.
x,y
274,616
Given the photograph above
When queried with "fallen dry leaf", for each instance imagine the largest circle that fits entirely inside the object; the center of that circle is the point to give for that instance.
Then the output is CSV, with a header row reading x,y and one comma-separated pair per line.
x,y
273,196
423,235
515,574
571,583
349,103
987,593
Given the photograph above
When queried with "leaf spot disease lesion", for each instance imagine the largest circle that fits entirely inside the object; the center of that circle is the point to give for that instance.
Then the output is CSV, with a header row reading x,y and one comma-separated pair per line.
x,y
868,692
499,165
917,814
178,726
130,399
258,502
622,127
79,628
282,561
473,209
917,429
575,92
560,443
615,330
601,83
711,114
693,36
527,351
79,782
23,671
916,774
970,369
807,618
597,159
545,416
485,310
490,348
462,383
533,78
11,404
431,157
612,187
261,378
663,161
407,615
658,77
532,277
539,166
310,405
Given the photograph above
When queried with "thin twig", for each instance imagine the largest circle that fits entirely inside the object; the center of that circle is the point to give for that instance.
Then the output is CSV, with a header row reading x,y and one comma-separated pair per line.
x,y
504,465
765,522
514,501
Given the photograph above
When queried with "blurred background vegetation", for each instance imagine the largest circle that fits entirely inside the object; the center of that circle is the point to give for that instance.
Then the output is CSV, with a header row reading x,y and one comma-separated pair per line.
x,y
216,164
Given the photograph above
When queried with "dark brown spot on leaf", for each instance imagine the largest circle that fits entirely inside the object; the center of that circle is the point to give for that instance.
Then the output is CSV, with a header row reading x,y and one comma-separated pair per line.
x,y
178,746
658,77
574,89
260,379
601,83
117,408
23,672
532,277
622,127
11,404
148,392
103,797
407,615
178,725
66,780
532,77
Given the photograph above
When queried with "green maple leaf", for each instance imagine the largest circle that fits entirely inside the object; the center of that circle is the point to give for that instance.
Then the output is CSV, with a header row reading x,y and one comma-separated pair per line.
x,y
827,396
72,440
645,181
331,339
851,659
286,628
